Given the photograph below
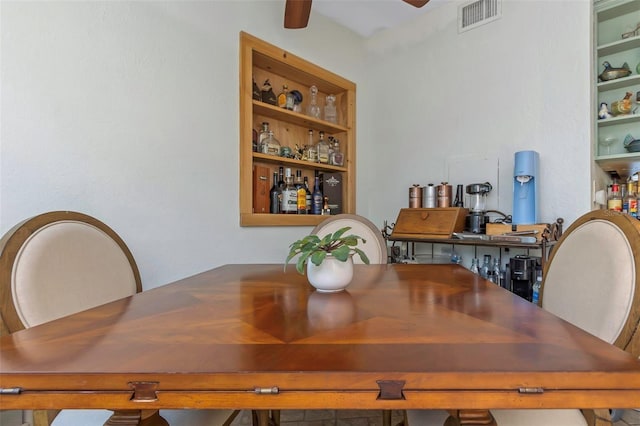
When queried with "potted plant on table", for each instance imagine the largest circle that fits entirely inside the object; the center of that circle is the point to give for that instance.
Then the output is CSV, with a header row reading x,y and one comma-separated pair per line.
x,y
328,260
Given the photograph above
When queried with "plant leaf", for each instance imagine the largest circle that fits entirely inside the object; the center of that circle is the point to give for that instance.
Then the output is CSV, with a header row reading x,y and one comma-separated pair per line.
x,y
340,231
362,255
342,253
318,256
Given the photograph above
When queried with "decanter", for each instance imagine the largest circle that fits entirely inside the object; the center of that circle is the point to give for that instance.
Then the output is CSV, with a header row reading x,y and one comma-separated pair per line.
x,y
313,109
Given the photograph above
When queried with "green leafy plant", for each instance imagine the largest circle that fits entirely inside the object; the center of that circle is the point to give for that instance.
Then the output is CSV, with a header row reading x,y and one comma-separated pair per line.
x,y
316,249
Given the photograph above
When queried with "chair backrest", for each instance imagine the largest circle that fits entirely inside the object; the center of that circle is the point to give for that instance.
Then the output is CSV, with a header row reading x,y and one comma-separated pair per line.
x,y
60,263
592,277
375,246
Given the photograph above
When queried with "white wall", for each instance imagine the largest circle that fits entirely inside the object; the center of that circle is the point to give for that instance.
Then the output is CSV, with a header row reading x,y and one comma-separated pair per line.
x,y
128,111
456,107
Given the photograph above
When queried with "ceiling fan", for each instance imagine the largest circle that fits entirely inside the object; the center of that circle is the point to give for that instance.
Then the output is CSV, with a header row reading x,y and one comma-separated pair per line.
x,y
296,12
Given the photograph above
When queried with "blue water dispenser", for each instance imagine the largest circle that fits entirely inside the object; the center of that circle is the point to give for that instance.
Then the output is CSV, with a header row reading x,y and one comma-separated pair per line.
x,y
525,188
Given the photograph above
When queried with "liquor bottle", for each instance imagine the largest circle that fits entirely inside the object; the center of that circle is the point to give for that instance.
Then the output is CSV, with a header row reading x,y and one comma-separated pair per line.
x,y
262,137
486,271
254,140
289,195
458,200
312,151
313,109
535,297
474,266
308,194
323,150
282,96
330,114
497,276
301,193
291,101
338,157
273,145
316,197
275,195
631,199
281,177
614,202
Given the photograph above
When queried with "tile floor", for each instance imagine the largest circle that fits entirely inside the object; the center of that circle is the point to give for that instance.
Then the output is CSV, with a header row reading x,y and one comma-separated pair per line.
x,y
367,418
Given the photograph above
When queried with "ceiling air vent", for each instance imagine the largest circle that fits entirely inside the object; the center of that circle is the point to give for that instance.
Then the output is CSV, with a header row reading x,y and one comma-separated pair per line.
x,y
476,13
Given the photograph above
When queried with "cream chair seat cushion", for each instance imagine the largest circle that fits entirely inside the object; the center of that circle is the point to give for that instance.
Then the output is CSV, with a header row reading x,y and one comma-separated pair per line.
x,y
596,255
539,417
375,247
504,417
66,267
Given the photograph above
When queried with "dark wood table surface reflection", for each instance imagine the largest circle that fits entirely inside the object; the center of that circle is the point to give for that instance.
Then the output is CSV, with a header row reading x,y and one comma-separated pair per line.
x,y
257,337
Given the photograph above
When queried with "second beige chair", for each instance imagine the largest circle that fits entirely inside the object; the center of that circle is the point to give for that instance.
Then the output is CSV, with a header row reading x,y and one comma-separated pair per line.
x,y
592,280
59,263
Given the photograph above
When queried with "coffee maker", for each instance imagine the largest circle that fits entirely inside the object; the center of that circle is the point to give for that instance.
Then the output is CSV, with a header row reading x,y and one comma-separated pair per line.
x,y
477,219
525,188
523,275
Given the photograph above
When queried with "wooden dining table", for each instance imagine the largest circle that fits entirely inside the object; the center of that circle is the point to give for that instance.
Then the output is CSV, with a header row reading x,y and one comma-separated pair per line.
x,y
401,336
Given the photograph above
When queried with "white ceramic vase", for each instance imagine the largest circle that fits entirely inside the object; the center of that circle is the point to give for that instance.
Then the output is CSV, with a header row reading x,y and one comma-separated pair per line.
x,y
331,275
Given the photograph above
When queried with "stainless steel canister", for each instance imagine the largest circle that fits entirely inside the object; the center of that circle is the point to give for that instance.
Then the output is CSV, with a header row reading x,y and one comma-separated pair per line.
x,y
430,196
415,196
444,195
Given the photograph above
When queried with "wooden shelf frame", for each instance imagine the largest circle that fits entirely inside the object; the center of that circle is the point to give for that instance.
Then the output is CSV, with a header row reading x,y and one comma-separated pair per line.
x,y
256,54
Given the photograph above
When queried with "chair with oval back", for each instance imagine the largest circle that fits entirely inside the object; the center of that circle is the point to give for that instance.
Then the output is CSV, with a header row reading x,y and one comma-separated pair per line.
x,y
59,263
592,280
375,246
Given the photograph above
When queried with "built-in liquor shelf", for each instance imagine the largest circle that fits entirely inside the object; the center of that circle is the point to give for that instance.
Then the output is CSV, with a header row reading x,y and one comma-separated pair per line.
x,y
259,62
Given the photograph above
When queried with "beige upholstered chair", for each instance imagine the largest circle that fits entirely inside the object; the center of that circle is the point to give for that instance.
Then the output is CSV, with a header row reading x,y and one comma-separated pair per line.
x,y
593,281
60,263
375,249
375,246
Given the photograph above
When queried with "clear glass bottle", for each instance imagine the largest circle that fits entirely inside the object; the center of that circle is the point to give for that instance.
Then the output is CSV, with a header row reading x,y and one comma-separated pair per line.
x,y
312,149
474,266
337,155
497,276
330,113
486,271
323,150
313,109
614,202
262,137
275,195
289,195
273,145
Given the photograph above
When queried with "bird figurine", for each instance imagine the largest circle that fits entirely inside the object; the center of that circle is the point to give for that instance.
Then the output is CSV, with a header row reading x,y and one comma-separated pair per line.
x,y
611,73
622,106
604,111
